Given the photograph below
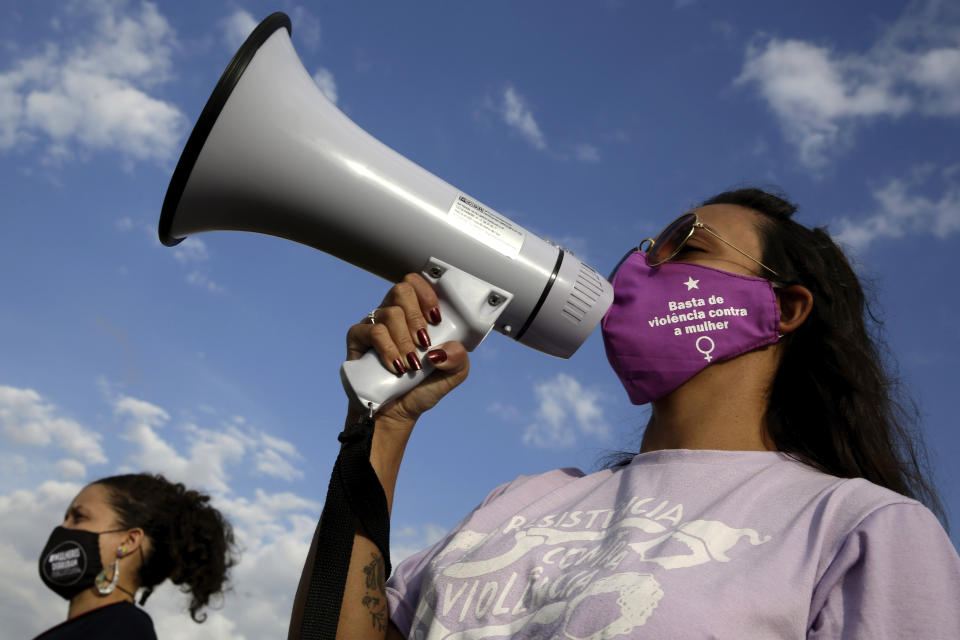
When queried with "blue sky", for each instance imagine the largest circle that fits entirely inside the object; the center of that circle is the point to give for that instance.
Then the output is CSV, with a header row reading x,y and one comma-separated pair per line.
x,y
592,124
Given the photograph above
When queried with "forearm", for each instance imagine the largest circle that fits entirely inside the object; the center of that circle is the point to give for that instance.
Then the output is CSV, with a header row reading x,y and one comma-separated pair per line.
x,y
395,329
363,612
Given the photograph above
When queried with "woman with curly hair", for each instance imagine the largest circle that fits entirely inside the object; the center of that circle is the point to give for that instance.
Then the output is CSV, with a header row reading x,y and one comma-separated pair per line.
x,y
127,534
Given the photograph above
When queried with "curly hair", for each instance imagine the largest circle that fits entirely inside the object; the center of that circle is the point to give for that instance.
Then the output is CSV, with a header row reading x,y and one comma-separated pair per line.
x,y
834,402
191,543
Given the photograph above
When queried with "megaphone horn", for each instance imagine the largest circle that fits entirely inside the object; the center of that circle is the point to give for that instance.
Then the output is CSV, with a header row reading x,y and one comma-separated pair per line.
x,y
270,154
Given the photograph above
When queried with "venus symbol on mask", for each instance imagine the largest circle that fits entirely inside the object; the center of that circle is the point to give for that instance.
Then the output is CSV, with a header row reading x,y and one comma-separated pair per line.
x,y
706,352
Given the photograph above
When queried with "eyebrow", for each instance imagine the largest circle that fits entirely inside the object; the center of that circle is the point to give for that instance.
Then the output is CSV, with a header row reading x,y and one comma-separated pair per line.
x,y
703,237
75,509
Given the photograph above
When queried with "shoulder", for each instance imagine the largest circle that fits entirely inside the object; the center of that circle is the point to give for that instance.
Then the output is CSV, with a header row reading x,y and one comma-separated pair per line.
x,y
133,617
855,506
126,620
120,620
878,535
903,525
842,509
533,485
895,574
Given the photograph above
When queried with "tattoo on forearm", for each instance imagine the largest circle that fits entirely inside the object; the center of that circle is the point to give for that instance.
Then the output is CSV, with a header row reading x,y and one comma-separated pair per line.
x,y
374,572
376,602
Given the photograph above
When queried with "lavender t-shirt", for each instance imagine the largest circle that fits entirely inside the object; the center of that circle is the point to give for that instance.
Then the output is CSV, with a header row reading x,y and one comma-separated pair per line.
x,y
686,544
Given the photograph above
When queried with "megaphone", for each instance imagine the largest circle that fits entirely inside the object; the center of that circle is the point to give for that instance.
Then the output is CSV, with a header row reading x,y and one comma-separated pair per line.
x,y
270,154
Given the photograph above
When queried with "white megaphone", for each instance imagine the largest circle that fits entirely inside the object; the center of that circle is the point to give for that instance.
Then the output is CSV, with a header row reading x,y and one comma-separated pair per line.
x,y
270,154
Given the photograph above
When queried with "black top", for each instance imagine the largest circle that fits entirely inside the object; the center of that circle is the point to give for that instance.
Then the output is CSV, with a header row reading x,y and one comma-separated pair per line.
x,y
118,621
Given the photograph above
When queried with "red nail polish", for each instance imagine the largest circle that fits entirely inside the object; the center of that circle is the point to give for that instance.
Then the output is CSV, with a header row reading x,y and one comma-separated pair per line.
x,y
437,356
423,338
400,369
414,361
434,315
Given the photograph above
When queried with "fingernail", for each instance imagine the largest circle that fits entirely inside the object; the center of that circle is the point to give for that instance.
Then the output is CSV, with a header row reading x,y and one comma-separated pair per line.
x,y
434,315
423,338
437,356
398,366
414,361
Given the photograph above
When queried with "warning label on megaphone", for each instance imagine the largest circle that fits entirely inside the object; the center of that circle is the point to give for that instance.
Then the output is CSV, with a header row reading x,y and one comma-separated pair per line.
x,y
486,225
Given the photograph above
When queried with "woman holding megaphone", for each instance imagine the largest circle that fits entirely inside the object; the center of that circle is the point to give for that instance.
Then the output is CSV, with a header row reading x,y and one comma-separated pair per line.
x,y
778,491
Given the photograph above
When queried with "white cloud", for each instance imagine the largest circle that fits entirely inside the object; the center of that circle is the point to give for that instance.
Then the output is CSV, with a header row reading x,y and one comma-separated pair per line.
x,y
138,45
188,253
93,94
272,463
324,79
140,411
209,452
506,412
587,153
262,517
212,450
200,279
907,206
13,465
280,445
236,27
71,469
938,71
27,419
306,27
518,116
820,94
567,411
192,249
514,110
814,93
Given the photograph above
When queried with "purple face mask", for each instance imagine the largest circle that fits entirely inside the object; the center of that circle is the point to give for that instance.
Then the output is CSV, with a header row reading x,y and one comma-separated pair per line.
x,y
669,322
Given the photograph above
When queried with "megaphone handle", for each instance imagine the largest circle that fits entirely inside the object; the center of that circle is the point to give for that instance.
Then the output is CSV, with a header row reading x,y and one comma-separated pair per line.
x,y
469,308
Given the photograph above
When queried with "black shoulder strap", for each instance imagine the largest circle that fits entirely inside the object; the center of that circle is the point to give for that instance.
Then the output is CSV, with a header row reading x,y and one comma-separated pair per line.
x,y
354,495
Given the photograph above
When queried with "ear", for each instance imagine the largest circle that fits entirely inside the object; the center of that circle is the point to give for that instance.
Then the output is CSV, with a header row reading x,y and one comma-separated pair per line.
x,y
796,302
132,541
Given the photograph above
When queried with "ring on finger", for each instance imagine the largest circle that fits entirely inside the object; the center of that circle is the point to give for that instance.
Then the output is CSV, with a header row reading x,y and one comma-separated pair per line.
x,y
372,316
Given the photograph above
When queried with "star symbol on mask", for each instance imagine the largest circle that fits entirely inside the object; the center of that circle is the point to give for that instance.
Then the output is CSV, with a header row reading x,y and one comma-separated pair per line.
x,y
692,284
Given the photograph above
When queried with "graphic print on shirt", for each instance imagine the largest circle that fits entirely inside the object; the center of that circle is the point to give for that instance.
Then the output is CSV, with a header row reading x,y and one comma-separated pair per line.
x,y
538,578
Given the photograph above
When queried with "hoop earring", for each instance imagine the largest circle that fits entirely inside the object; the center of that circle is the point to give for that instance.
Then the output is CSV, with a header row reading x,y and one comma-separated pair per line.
x,y
104,586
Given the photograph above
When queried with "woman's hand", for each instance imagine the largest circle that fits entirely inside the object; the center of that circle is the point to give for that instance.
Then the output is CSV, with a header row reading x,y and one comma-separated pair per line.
x,y
401,325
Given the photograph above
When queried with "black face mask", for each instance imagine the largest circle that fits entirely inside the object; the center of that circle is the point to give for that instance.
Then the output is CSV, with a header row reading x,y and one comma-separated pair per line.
x,y
71,561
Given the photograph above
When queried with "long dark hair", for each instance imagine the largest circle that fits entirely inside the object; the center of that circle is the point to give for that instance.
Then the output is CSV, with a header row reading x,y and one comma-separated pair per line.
x,y
190,541
835,403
